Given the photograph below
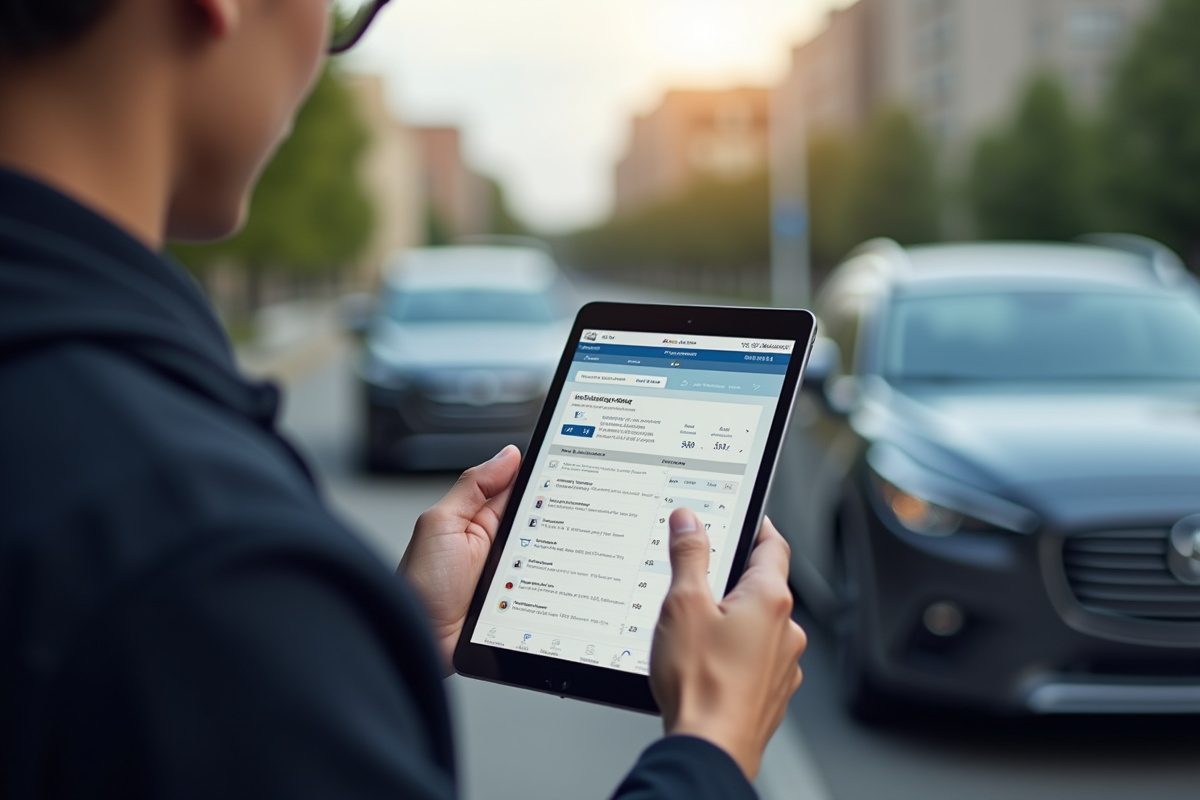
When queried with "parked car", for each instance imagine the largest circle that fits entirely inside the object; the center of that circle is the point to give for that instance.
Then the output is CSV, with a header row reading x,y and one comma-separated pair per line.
x,y
994,477
458,353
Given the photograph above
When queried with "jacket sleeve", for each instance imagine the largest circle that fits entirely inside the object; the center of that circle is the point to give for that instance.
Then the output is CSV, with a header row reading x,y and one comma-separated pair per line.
x,y
680,767
277,672
272,675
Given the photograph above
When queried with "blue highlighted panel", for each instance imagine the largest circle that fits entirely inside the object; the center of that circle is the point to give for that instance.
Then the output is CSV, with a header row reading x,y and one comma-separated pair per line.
x,y
726,356
584,431
714,360
712,366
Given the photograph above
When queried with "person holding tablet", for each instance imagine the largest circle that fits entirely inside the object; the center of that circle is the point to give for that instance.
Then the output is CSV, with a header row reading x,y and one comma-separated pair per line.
x,y
180,614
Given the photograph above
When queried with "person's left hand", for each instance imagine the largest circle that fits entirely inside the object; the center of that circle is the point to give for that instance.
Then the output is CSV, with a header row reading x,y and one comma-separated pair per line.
x,y
450,545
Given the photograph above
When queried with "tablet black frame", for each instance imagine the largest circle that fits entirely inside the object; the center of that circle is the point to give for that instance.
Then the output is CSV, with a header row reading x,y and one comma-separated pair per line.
x,y
602,684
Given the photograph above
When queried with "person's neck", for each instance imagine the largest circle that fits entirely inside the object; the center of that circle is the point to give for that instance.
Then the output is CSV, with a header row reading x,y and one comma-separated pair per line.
x,y
95,138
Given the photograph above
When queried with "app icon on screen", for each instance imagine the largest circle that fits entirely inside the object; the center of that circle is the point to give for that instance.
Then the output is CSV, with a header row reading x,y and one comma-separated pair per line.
x,y
525,542
533,522
518,563
503,604
541,501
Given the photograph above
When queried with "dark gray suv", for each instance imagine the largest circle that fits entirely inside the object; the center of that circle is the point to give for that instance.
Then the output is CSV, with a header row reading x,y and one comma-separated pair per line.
x,y
993,476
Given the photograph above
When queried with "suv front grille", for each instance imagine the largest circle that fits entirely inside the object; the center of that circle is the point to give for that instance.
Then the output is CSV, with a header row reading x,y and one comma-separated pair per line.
x,y
1126,573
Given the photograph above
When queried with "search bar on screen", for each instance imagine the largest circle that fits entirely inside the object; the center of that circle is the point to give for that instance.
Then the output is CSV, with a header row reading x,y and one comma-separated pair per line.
x,y
621,379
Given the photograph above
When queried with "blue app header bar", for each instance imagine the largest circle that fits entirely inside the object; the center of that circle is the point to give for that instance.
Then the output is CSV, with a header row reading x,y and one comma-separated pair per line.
x,y
728,360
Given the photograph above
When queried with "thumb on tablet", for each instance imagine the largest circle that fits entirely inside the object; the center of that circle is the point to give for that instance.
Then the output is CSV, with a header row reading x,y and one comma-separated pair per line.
x,y
689,550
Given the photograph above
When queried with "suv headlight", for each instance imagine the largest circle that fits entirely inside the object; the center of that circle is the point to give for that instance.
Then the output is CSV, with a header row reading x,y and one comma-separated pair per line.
x,y
378,372
932,504
919,515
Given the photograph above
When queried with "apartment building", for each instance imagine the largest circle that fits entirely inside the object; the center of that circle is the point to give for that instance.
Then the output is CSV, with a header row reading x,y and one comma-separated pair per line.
x,y
392,173
959,64
689,136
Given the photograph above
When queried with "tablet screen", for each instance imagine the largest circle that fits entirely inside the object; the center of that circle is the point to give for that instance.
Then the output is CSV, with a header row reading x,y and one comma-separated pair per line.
x,y
646,423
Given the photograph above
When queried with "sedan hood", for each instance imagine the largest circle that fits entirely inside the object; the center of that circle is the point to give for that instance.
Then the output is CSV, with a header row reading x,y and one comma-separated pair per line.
x,y
1109,451
437,346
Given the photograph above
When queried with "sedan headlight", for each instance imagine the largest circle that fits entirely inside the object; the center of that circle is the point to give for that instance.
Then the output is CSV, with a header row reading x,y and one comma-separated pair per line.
x,y
932,504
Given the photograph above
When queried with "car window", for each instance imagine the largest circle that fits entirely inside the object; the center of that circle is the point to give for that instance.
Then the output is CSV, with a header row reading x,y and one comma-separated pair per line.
x,y
1044,336
471,305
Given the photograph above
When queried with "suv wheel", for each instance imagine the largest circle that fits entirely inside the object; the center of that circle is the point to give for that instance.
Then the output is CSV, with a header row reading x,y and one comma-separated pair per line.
x,y
860,696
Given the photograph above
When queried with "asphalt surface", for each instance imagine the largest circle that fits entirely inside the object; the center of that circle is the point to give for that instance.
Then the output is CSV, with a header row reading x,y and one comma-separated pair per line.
x,y
930,755
518,744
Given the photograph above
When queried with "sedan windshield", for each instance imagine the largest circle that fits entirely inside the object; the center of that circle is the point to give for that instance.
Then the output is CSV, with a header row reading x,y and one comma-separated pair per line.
x,y
471,305
1026,336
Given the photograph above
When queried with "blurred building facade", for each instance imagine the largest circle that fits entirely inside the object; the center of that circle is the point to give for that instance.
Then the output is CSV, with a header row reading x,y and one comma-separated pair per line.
x,y
689,136
959,64
459,200
392,174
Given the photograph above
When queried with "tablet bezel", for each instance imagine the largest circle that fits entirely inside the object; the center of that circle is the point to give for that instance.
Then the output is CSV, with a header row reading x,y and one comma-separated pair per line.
x,y
586,681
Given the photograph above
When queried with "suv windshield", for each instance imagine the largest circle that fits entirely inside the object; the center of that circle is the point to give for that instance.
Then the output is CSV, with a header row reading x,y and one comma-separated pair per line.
x,y
471,305
1021,336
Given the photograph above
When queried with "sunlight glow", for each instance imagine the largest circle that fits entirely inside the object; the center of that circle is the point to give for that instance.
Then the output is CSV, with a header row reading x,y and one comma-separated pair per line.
x,y
545,89
706,38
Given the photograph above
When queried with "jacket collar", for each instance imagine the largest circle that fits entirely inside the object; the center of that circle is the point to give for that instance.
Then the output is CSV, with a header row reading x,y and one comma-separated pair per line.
x,y
68,274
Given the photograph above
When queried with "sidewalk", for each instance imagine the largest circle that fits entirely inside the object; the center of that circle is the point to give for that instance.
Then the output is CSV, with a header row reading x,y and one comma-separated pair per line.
x,y
292,340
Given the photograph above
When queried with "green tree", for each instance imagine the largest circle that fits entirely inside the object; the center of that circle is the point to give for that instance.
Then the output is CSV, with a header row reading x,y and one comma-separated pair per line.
x,y
503,221
714,223
1031,179
438,232
831,163
309,214
894,187
1151,133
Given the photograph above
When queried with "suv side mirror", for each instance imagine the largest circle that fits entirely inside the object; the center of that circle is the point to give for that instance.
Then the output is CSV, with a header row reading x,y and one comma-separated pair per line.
x,y
824,363
837,392
356,312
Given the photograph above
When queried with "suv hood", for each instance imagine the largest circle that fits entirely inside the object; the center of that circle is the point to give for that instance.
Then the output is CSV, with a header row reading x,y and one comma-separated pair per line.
x,y
1124,452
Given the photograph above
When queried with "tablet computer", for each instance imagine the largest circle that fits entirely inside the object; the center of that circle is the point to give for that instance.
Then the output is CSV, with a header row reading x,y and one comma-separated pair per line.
x,y
652,408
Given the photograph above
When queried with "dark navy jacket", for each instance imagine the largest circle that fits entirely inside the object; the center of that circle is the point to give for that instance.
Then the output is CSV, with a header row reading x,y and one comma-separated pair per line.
x,y
180,615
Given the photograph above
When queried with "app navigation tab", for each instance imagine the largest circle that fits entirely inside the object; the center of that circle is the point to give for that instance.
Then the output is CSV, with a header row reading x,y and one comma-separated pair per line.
x,y
621,379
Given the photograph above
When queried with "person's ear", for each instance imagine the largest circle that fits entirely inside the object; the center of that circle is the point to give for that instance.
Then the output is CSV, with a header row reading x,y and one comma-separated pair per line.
x,y
221,16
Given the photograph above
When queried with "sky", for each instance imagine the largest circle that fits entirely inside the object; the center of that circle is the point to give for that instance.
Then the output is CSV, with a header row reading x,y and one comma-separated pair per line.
x,y
545,90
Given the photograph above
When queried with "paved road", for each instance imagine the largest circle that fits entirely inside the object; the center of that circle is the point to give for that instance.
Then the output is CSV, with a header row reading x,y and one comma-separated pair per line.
x,y
517,744
936,756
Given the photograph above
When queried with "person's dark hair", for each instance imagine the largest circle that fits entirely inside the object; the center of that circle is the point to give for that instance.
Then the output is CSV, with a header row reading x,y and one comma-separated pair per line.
x,y
32,27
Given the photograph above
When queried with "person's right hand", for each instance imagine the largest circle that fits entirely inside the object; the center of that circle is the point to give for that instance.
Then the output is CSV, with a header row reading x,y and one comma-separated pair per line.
x,y
724,671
